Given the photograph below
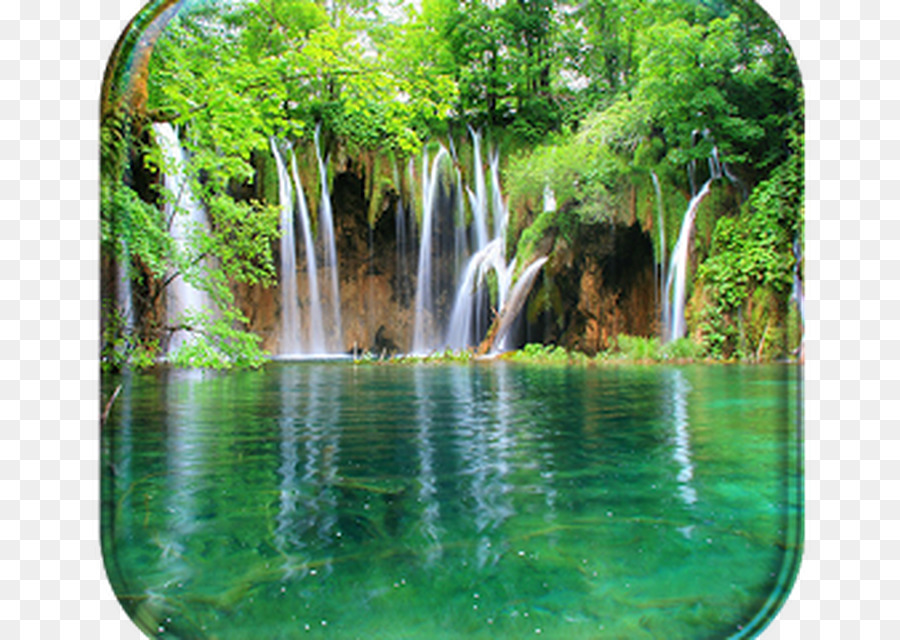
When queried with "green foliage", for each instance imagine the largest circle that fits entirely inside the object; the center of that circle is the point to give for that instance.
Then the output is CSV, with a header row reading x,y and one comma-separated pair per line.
x,y
120,349
535,232
242,234
127,220
217,344
115,344
682,349
458,356
584,171
751,261
637,348
643,349
547,354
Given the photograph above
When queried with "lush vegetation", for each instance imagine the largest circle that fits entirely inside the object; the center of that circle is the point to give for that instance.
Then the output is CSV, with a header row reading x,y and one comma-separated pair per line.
x,y
591,96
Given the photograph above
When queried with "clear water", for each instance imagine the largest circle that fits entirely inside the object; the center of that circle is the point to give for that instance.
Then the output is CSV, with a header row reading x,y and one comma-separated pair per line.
x,y
334,500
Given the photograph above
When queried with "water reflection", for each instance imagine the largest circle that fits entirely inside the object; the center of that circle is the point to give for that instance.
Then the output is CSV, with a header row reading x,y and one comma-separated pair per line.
x,y
485,442
185,457
320,470
682,442
385,501
119,471
427,478
287,533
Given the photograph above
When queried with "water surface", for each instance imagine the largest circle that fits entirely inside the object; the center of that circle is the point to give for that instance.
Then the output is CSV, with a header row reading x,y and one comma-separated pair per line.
x,y
454,501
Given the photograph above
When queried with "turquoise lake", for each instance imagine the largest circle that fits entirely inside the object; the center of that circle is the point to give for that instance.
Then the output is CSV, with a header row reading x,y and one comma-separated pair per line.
x,y
485,500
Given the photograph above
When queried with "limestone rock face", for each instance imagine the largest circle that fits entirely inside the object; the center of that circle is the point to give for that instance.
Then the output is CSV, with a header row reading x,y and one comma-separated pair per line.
x,y
605,281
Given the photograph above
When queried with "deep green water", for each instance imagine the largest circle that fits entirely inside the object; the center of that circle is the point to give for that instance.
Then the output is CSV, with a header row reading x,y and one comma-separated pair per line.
x,y
453,501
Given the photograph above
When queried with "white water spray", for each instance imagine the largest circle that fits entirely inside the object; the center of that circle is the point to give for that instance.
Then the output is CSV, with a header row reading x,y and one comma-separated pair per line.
x,y
517,297
326,229
186,218
677,277
423,325
290,306
317,342
661,226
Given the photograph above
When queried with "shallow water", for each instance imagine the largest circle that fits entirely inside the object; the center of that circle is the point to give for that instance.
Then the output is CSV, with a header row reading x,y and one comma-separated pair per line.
x,y
490,500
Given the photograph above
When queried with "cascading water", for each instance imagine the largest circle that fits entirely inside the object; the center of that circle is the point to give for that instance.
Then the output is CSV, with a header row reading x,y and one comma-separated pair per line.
x,y
513,307
317,342
468,320
675,283
186,218
462,330
423,325
661,225
549,199
330,262
677,277
467,317
123,289
797,285
478,199
499,207
290,305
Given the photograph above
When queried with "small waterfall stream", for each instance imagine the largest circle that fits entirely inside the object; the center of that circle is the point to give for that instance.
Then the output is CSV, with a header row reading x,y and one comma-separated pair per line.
x,y
317,343
423,327
676,280
123,288
294,339
330,261
186,217
290,305
677,277
661,225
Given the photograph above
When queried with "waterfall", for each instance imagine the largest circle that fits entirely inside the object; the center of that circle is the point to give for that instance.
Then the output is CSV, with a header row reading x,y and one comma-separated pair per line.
x,y
498,206
675,282
467,317
460,237
317,343
186,217
326,229
661,223
462,331
797,283
550,199
677,277
513,307
423,336
479,198
123,288
290,306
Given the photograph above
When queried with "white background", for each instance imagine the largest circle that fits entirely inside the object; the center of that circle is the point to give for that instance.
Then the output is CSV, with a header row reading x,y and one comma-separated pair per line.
x,y
52,57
